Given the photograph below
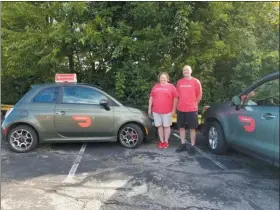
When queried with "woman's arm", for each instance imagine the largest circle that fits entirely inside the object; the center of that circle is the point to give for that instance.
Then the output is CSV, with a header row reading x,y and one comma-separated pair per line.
x,y
150,105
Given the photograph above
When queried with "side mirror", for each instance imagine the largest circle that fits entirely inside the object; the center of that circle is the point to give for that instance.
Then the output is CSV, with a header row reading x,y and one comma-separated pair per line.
x,y
104,103
236,101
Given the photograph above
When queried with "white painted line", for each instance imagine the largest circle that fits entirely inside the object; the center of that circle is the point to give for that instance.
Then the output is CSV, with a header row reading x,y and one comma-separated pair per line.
x,y
75,165
204,154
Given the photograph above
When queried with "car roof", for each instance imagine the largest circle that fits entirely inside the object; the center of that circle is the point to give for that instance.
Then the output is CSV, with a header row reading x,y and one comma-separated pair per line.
x,y
44,85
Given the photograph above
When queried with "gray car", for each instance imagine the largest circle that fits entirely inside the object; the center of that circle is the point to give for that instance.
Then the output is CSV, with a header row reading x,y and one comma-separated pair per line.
x,y
249,122
73,113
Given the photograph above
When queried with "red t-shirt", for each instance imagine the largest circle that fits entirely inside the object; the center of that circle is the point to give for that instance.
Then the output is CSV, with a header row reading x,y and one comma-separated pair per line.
x,y
188,91
163,98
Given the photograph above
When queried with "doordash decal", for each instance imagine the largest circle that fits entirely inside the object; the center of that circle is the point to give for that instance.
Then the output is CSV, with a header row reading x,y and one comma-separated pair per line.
x,y
83,121
250,123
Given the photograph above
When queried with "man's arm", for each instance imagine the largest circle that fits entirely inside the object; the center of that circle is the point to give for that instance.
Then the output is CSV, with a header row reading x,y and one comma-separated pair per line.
x,y
199,92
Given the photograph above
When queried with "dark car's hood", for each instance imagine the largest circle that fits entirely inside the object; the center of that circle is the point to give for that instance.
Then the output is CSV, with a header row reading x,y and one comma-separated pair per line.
x,y
221,104
216,106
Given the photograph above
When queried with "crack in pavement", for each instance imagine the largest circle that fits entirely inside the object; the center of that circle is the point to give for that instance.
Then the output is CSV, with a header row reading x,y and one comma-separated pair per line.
x,y
152,206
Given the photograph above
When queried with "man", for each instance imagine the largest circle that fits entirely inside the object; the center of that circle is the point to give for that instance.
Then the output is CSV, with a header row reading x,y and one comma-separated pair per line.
x,y
190,93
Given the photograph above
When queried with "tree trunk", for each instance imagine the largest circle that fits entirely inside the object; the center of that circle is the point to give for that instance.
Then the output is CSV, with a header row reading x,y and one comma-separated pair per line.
x,y
71,62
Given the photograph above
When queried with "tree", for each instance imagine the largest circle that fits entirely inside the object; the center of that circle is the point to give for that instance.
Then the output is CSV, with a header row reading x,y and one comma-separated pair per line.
x,y
122,46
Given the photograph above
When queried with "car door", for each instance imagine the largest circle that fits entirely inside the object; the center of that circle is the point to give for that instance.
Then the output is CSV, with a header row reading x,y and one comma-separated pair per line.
x,y
255,122
42,107
80,115
276,144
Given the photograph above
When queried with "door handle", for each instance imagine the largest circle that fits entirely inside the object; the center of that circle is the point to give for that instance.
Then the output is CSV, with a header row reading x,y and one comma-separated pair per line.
x,y
268,116
60,113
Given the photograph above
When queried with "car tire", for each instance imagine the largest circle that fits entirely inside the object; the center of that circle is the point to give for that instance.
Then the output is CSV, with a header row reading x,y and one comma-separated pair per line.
x,y
129,133
216,138
26,132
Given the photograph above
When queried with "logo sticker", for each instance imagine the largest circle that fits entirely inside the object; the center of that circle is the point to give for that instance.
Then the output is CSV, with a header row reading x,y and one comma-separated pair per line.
x,y
83,121
186,86
250,123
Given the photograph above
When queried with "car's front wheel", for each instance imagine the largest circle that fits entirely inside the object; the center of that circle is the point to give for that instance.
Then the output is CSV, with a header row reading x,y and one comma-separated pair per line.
x,y
131,135
22,139
216,138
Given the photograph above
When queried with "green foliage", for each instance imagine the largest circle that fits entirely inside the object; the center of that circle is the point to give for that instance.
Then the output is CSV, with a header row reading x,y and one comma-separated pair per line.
x,y
122,46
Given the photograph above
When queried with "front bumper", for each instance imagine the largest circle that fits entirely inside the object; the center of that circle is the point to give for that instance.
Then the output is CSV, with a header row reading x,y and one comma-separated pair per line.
x,y
150,129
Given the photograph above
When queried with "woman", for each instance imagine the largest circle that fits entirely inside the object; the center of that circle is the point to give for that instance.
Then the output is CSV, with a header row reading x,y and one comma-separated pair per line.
x,y
162,106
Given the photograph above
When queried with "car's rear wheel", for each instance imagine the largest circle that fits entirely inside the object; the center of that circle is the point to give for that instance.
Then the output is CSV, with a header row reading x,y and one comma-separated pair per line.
x,y
216,138
131,135
22,139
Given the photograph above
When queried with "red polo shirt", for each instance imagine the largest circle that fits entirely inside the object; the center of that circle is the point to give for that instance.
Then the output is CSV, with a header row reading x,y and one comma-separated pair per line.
x,y
188,91
163,98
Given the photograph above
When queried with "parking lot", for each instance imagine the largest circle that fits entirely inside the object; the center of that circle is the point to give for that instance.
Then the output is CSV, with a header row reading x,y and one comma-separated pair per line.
x,y
107,176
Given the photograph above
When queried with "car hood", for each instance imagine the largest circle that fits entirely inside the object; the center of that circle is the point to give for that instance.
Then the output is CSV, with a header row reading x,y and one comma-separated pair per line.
x,y
216,106
137,109
221,104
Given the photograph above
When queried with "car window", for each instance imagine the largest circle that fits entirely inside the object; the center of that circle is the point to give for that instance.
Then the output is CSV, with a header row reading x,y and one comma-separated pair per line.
x,y
82,95
265,95
48,95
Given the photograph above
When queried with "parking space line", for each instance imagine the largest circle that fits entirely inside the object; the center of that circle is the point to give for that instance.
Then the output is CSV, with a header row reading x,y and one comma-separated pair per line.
x,y
204,154
75,165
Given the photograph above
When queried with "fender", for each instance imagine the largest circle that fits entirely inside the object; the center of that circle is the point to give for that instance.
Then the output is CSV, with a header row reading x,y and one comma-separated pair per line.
x,y
10,126
118,127
222,121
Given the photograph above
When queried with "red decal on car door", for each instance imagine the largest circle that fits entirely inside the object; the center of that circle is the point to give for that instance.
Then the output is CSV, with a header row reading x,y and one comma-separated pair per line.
x,y
83,121
250,123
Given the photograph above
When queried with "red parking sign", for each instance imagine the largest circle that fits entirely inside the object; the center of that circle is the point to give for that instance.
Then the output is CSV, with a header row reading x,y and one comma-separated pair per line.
x,y
65,78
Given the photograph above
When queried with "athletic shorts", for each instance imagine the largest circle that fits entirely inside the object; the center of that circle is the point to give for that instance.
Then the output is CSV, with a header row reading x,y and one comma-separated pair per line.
x,y
164,120
189,118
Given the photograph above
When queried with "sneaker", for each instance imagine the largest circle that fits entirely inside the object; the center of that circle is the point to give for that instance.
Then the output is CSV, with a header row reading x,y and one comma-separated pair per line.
x,y
165,145
160,145
191,150
181,148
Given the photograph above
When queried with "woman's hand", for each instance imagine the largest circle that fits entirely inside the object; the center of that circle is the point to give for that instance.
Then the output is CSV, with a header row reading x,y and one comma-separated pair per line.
x,y
150,113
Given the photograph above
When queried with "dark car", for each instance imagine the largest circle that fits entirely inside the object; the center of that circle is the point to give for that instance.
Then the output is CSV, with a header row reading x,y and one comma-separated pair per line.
x,y
249,123
62,112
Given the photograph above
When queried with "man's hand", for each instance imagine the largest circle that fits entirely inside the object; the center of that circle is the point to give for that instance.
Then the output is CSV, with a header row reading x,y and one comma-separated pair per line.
x,y
173,112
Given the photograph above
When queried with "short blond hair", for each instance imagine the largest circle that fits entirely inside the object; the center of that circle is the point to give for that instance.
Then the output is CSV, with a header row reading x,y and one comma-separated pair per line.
x,y
163,73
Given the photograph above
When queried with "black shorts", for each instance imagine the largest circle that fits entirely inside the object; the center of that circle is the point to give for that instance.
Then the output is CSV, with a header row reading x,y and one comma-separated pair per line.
x,y
189,118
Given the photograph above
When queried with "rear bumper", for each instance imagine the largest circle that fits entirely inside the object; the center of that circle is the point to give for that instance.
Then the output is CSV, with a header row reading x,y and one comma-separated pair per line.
x,y
4,131
202,128
3,135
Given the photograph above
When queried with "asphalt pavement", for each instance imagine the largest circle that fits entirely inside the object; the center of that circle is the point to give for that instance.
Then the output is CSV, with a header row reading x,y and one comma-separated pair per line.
x,y
106,176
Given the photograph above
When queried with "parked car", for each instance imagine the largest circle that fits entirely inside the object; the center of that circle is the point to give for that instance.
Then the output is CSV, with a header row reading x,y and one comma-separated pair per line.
x,y
68,112
249,123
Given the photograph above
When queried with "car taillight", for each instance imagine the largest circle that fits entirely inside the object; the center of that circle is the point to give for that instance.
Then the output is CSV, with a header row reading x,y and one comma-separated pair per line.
x,y
5,131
